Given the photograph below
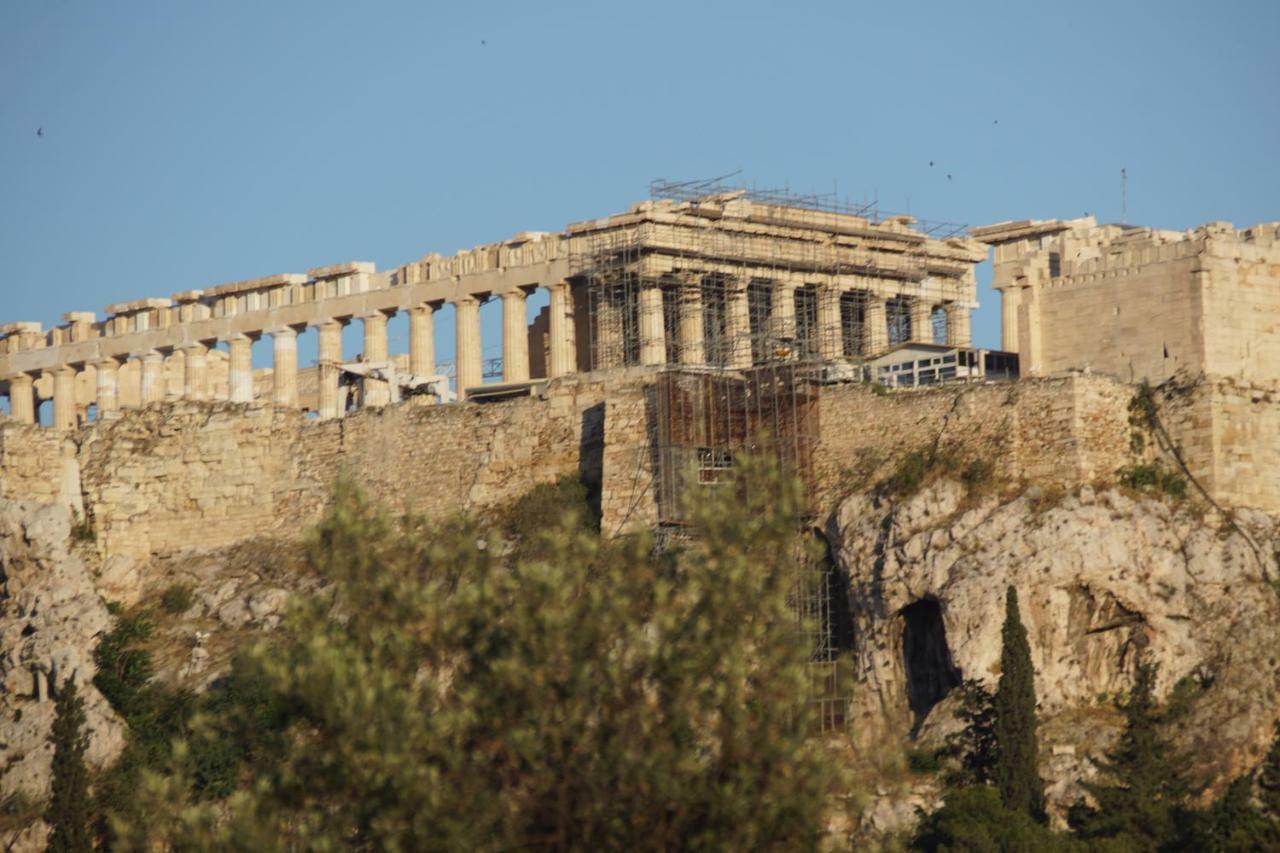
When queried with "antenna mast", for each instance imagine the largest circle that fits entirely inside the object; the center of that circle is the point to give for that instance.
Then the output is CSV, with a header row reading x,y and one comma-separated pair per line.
x,y
1124,196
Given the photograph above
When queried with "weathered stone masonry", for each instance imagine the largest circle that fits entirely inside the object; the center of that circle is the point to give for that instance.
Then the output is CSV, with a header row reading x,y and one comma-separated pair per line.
x,y
202,475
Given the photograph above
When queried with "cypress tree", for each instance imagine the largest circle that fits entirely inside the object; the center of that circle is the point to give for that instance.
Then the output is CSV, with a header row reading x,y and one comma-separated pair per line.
x,y
68,811
1140,804
1017,774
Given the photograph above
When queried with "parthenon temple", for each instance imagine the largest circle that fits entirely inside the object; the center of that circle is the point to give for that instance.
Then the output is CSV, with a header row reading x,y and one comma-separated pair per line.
x,y
722,279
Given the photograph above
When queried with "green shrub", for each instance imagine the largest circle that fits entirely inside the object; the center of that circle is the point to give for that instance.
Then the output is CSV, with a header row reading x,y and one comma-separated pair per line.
x,y
445,695
1153,476
923,761
81,529
177,599
917,468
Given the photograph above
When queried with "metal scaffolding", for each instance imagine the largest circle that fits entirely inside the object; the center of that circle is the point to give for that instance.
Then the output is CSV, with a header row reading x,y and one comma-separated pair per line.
x,y
748,313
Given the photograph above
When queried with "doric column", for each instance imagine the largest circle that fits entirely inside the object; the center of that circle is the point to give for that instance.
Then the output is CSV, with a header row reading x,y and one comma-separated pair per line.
x,y
22,398
422,340
653,333
152,378
959,333
468,366
284,371
64,397
560,330
1010,299
240,368
875,324
108,370
610,343
377,392
783,316
830,331
692,327
329,359
515,338
195,377
737,325
921,320
469,370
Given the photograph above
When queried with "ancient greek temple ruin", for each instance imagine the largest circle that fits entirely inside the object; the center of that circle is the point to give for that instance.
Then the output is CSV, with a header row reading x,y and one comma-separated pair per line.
x,y
696,276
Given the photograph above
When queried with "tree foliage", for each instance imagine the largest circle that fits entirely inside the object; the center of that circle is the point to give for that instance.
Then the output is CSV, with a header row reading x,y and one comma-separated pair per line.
x,y
68,813
441,694
974,747
1016,773
974,819
1139,803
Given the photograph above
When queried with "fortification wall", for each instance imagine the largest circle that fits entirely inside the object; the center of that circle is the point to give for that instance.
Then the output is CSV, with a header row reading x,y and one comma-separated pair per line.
x,y
185,475
202,475
1131,323
1228,435
1069,429
35,464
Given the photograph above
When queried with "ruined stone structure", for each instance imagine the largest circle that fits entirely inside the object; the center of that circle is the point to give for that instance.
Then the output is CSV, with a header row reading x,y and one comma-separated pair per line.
x,y
723,279
1139,303
679,334
1198,311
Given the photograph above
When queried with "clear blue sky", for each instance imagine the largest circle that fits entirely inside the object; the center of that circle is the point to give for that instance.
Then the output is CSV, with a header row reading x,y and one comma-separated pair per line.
x,y
188,144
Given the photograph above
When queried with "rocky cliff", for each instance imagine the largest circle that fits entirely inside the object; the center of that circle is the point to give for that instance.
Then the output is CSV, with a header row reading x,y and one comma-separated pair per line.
x,y
50,619
1104,576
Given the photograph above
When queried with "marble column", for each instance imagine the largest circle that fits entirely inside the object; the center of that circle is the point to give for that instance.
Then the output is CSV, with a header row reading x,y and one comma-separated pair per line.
x,y
959,331
921,320
195,380
108,399
469,367
22,398
515,338
377,392
560,330
653,333
691,323
783,316
240,369
284,370
152,378
422,340
737,325
1010,299
64,397
610,342
328,367
830,329
875,325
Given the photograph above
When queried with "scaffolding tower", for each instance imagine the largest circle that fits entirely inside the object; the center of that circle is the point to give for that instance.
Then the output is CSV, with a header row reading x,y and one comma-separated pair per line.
x,y
750,313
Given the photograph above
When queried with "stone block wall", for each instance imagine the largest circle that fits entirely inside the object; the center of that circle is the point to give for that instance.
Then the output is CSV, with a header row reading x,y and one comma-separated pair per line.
x,y
35,463
185,475
203,475
1228,435
1070,429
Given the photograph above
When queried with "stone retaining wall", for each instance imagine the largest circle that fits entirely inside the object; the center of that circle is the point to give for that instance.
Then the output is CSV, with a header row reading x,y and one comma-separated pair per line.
x,y
202,475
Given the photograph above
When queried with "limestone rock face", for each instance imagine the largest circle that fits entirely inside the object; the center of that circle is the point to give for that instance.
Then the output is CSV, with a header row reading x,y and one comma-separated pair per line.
x,y
50,620
1102,578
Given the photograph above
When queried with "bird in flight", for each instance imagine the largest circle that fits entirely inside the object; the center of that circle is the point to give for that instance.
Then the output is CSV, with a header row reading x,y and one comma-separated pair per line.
x,y
948,176
40,132
483,42
930,164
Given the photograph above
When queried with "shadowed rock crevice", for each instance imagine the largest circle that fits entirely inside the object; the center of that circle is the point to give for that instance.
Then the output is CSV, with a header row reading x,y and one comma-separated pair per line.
x,y
931,675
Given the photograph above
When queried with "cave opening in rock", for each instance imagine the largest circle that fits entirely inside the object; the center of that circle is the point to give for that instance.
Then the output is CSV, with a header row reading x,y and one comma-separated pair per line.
x,y
930,673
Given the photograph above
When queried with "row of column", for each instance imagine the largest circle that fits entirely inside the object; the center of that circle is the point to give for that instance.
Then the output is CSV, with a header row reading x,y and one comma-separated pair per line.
x,y
737,338
377,390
